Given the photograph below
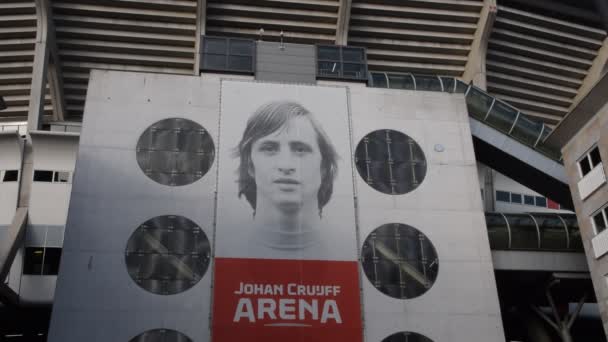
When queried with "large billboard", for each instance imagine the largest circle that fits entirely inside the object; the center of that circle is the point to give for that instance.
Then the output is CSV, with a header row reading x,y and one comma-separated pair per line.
x,y
286,237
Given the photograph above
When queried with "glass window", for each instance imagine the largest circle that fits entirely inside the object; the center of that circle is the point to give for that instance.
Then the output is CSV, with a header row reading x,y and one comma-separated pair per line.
x,y
585,166
497,231
528,200
215,45
515,198
43,176
331,53
595,157
478,103
589,161
541,201
227,54
600,221
341,62
379,80
503,196
399,261
175,152
407,337
427,83
401,81
41,260
241,47
167,254
11,176
390,162
524,234
527,129
61,177
449,84
161,335
553,234
353,55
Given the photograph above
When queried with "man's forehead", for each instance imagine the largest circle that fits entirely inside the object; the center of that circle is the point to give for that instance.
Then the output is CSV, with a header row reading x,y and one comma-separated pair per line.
x,y
299,127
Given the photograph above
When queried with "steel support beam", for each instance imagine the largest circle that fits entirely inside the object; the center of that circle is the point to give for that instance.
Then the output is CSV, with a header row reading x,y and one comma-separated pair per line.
x,y
343,22
475,69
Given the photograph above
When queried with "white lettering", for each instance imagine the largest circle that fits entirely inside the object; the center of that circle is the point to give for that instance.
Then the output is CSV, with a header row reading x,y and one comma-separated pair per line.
x,y
287,308
330,311
291,289
266,306
244,309
312,308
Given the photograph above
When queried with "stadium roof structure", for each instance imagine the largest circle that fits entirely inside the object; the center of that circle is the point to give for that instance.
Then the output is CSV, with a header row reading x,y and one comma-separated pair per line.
x,y
540,56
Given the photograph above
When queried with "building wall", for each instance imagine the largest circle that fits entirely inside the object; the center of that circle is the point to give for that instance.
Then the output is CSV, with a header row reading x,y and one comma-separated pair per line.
x,y
97,300
594,133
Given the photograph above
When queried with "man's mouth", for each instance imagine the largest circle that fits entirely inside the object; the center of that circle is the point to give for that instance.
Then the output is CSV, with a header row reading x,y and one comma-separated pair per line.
x,y
288,181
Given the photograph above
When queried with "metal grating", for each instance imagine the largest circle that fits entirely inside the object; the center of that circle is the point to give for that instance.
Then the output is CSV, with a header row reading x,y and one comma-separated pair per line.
x,y
302,21
538,63
420,36
148,36
18,28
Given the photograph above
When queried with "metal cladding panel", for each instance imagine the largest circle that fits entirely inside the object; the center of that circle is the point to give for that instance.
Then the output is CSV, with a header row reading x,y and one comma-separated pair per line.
x,y
285,62
462,304
96,295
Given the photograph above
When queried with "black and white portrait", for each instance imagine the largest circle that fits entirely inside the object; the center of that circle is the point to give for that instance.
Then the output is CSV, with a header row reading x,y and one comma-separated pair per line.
x,y
285,182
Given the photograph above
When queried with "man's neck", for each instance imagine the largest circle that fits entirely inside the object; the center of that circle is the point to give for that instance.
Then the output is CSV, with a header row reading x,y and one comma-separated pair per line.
x,y
287,227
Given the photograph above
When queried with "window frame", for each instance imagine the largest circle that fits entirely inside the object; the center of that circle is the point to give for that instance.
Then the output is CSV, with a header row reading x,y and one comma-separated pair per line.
x,y
508,194
586,158
604,212
54,175
364,74
227,55
26,266
3,176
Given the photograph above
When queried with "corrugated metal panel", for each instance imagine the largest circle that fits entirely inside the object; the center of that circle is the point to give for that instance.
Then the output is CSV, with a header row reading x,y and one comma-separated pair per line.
x,y
537,63
421,36
149,36
286,63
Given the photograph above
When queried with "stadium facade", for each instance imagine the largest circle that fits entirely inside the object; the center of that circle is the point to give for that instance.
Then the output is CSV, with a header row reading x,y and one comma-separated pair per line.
x,y
159,170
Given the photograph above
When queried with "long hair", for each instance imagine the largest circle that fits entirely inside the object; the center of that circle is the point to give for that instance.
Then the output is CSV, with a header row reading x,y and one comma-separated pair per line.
x,y
268,119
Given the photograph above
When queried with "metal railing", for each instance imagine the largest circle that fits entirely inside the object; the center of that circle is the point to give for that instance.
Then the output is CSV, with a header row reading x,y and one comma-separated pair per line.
x,y
481,105
534,232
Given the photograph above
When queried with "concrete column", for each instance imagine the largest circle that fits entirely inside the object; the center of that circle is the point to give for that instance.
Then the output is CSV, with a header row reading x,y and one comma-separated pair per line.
x,y
56,84
39,70
343,22
201,26
475,69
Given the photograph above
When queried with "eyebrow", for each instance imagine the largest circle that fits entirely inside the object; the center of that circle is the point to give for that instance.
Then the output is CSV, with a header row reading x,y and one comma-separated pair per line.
x,y
293,144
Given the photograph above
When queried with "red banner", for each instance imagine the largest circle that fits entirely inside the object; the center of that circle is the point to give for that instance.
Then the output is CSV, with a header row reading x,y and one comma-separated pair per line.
x,y
286,300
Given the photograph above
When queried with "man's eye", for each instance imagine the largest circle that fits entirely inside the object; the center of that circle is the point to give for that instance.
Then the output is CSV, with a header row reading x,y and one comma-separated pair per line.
x,y
268,148
301,149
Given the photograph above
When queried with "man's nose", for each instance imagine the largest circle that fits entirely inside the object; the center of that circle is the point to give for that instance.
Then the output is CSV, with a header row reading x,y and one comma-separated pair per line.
x,y
286,163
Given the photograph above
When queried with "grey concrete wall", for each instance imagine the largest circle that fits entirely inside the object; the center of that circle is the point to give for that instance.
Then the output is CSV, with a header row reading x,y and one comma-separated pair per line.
x,y
462,305
285,63
594,132
96,300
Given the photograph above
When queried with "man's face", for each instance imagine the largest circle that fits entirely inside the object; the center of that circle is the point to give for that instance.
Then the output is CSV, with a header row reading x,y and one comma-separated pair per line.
x,y
287,166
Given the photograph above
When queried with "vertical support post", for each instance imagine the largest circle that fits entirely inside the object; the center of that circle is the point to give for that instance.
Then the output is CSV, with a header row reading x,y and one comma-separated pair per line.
x,y
343,22
475,69
56,85
201,26
39,70
561,325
